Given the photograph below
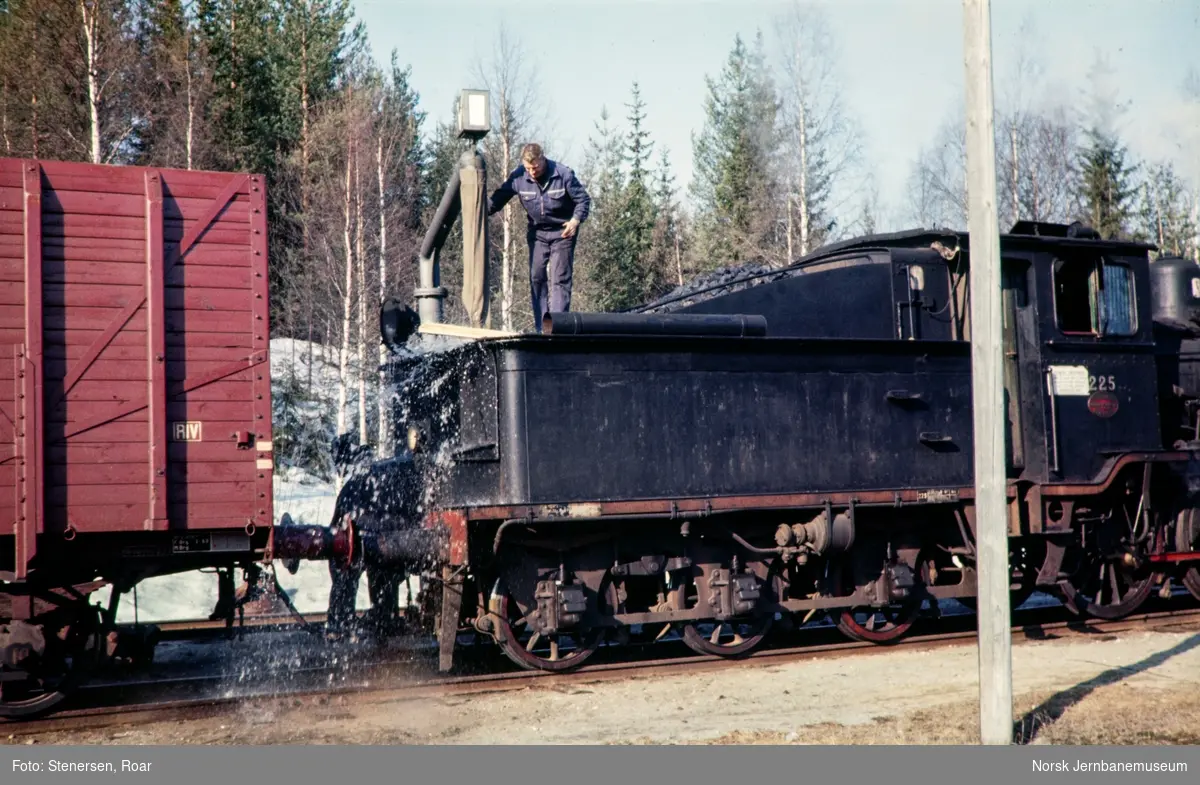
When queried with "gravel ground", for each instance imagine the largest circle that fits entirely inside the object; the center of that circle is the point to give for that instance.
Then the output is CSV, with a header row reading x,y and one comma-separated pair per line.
x,y
1135,688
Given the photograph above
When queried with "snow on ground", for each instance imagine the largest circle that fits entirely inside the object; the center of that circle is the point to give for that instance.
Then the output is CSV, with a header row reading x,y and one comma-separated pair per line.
x,y
307,498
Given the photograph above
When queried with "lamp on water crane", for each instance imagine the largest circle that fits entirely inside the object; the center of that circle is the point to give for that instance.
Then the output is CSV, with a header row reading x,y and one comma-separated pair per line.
x,y
474,114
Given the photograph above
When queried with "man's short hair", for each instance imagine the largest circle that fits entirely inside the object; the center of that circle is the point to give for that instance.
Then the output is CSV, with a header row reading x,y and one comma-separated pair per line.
x,y
531,152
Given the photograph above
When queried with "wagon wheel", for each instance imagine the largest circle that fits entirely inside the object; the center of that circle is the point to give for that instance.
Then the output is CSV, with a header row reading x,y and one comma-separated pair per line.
x,y
532,650
879,625
1106,589
73,649
730,638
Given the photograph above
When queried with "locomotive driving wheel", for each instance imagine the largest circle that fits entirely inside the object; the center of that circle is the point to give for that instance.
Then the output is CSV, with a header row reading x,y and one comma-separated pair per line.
x,y
556,651
1107,588
46,659
1187,538
1191,581
1107,575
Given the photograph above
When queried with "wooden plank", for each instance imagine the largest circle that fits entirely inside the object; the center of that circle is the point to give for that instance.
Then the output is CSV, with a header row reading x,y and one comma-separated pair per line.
x,y
195,473
88,203
97,318
102,495
181,354
62,337
12,293
12,198
118,369
77,295
204,321
219,256
156,353
12,269
127,227
10,221
77,241
29,520
129,431
120,274
120,391
177,452
215,411
177,319
58,169
121,431
128,181
459,331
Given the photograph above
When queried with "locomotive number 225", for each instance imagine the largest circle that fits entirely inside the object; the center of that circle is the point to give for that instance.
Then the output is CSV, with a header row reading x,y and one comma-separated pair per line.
x,y
1101,383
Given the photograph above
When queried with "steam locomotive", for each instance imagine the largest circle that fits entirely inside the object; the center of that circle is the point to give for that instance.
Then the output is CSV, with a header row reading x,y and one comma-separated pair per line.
x,y
783,444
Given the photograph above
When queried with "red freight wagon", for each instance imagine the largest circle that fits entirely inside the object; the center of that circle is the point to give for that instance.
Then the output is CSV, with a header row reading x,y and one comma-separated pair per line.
x,y
135,395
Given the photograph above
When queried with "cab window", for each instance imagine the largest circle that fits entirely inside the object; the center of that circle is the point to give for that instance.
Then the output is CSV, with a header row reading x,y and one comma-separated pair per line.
x,y
1094,297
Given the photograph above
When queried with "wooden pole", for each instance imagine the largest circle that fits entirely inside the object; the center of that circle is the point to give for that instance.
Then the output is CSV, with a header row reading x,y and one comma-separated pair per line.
x,y
987,383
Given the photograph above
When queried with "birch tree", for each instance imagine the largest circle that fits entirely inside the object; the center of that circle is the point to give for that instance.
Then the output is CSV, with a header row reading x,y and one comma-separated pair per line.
x,y
177,83
823,146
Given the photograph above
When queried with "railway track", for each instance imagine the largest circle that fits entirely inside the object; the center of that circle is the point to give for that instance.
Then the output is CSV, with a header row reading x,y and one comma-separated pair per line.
x,y
413,676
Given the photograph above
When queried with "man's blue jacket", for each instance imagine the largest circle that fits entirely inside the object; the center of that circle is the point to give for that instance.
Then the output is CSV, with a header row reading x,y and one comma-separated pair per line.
x,y
549,204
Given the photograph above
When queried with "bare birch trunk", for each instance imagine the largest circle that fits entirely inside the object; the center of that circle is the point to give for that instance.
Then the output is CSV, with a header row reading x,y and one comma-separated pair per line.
x,y
87,12
7,141
678,260
1037,206
304,155
506,221
790,255
191,102
362,303
344,354
33,122
1015,173
803,189
383,440
1158,220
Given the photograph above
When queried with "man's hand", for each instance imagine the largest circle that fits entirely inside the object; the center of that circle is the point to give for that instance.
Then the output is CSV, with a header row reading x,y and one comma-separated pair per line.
x,y
570,227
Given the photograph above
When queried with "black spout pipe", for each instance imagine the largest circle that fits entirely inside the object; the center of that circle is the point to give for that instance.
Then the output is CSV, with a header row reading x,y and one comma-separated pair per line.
x,y
736,325
443,218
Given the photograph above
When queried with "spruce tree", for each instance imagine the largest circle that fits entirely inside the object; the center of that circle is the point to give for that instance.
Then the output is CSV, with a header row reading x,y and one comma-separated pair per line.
x,y
1106,184
637,280
601,258
733,182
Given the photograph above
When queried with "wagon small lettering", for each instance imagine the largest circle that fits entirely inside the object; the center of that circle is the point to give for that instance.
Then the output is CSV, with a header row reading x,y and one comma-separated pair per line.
x,y
186,431
938,495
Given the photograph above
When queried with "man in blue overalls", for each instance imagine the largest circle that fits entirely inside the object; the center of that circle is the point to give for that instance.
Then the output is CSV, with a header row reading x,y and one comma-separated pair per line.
x,y
556,204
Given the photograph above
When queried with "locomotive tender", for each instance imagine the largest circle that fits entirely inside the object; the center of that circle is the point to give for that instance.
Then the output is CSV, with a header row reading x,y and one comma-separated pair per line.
x,y
799,442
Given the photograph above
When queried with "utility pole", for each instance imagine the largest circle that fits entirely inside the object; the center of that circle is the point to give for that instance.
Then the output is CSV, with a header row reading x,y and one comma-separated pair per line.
x,y
987,383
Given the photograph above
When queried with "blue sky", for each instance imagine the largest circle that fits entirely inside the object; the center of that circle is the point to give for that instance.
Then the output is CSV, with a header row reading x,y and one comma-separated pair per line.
x,y
900,64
